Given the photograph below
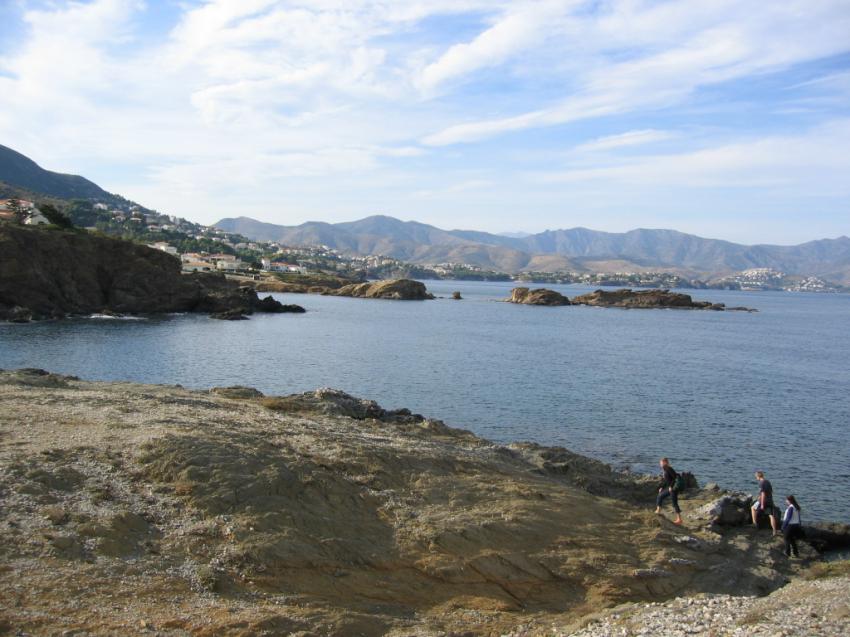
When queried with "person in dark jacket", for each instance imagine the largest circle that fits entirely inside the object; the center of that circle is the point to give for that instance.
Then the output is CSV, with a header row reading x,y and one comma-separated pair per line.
x,y
764,503
668,489
792,526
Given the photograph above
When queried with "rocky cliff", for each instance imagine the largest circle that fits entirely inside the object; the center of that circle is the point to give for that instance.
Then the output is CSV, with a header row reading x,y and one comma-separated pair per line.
x,y
135,508
394,289
50,273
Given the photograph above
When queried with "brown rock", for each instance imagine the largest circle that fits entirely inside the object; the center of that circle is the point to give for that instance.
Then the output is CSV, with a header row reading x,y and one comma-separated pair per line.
x,y
539,296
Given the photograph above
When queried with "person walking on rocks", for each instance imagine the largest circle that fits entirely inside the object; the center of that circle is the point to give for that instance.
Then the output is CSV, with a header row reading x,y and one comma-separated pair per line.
x,y
764,503
670,485
792,527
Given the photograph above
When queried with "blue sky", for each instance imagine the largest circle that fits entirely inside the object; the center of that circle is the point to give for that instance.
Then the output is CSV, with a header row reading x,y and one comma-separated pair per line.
x,y
725,118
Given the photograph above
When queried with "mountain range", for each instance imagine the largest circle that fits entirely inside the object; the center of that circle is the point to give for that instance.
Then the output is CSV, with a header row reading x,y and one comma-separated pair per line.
x,y
575,249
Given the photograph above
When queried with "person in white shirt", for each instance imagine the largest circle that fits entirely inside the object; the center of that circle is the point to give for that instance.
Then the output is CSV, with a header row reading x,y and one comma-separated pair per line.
x,y
792,527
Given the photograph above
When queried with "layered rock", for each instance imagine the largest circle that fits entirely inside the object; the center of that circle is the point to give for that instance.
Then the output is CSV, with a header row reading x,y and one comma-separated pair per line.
x,y
48,273
539,296
186,512
642,299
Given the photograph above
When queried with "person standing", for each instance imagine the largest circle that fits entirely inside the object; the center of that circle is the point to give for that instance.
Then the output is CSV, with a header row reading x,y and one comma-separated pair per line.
x,y
669,488
764,503
792,527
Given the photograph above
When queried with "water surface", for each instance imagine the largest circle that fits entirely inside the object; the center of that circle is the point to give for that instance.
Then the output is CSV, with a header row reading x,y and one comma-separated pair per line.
x,y
721,394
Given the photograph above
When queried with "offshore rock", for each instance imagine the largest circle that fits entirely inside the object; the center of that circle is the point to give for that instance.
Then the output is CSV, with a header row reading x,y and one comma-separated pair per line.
x,y
539,296
642,299
49,273
395,289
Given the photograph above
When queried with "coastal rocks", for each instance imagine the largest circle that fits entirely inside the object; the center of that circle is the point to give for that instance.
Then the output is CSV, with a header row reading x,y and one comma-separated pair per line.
x,y
642,299
333,402
539,296
50,273
728,510
827,537
395,289
229,315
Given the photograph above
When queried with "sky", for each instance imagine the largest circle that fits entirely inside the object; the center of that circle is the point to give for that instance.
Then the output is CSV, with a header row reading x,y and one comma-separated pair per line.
x,y
724,118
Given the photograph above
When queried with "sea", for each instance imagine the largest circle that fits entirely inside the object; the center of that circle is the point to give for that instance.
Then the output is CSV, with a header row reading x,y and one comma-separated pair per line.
x,y
722,394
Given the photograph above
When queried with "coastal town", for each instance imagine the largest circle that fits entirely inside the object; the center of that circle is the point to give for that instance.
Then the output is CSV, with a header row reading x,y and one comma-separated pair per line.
x,y
203,248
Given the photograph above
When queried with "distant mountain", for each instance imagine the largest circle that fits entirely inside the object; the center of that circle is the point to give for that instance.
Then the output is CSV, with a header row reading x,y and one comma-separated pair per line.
x,y
20,171
575,249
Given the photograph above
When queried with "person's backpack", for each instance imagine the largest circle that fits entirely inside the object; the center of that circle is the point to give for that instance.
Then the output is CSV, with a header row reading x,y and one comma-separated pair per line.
x,y
679,483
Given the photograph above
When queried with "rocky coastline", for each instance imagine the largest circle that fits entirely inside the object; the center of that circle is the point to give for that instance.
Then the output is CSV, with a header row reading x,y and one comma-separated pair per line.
x,y
130,508
389,289
47,273
624,298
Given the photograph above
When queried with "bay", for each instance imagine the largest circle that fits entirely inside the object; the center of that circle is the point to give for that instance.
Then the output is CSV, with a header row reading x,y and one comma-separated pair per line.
x,y
721,393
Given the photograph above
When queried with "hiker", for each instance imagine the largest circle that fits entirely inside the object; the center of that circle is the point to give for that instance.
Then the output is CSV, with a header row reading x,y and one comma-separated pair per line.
x,y
670,485
792,527
764,503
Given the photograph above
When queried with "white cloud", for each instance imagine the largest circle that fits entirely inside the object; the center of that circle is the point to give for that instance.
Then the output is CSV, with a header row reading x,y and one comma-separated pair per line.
x,y
630,138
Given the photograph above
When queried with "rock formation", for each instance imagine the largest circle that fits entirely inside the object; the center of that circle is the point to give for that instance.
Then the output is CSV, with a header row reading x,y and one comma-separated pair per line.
x,y
49,273
395,289
642,299
539,296
127,508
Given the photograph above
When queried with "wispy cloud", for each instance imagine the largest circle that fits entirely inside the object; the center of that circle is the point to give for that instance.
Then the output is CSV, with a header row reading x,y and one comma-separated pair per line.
x,y
630,138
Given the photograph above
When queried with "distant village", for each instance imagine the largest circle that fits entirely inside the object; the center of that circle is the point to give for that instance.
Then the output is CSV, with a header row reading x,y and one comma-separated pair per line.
x,y
205,249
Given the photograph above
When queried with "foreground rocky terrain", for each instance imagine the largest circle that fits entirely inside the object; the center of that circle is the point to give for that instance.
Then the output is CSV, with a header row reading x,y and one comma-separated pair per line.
x,y
130,508
50,273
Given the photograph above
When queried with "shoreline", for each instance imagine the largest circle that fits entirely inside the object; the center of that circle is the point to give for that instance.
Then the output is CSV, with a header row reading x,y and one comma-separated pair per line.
x,y
357,519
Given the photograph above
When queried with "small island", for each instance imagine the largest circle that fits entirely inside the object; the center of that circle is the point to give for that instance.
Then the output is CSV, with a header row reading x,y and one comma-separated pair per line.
x,y
624,298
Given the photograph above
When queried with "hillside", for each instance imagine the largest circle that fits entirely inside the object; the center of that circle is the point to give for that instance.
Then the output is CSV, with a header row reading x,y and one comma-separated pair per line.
x,y
577,249
127,508
18,170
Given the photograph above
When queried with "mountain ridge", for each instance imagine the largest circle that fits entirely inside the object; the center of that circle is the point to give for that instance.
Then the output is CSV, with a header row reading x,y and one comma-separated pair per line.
x,y
572,248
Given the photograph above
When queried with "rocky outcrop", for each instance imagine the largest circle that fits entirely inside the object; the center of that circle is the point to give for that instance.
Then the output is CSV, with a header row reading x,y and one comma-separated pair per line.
x,y
539,296
49,273
394,289
643,299
189,512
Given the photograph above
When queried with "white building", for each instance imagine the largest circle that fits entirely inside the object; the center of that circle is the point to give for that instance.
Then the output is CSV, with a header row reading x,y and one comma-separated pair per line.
x,y
162,245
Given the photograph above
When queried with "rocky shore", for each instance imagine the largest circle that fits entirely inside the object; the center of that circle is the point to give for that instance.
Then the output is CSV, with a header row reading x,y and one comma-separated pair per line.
x,y
129,508
50,273
624,298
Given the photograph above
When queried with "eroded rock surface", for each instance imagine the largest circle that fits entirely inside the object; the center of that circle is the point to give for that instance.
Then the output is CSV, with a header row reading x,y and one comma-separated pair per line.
x,y
128,506
395,289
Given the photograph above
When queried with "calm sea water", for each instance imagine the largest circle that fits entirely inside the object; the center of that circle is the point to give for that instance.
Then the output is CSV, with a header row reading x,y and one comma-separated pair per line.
x,y
721,394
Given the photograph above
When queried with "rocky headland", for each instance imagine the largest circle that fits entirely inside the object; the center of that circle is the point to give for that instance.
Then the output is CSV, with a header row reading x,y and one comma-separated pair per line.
x,y
49,273
129,508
